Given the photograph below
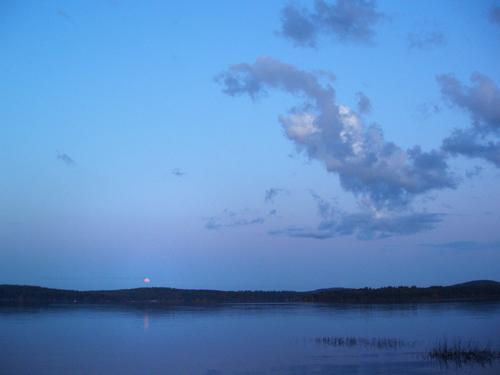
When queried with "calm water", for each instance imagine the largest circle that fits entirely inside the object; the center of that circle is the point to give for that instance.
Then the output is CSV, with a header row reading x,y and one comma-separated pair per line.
x,y
243,339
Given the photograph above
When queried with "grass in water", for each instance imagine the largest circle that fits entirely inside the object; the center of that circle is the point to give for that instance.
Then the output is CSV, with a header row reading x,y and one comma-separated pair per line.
x,y
375,343
460,354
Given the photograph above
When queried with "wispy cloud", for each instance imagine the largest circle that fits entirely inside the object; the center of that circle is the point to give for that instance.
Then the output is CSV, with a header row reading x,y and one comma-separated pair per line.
x,y
427,109
345,20
474,172
65,158
364,225
178,172
231,219
495,14
364,103
425,40
272,193
63,14
465,245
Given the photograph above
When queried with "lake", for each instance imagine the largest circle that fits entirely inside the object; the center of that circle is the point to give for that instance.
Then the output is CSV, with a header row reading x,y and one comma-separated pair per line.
x,y
243,339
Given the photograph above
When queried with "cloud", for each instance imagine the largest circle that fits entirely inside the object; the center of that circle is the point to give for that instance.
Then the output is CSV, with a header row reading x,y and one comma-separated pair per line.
x,y
63,14
465,245
272,193
495,14
364,104
364,225
66,159
331,77
373,169
345,20
178,172
425,40
231,219
297,25
476,171
481,100
472,144
427,109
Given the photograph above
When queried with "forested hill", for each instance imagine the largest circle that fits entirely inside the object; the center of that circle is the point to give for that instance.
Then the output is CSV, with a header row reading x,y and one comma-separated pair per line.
x,y
482,290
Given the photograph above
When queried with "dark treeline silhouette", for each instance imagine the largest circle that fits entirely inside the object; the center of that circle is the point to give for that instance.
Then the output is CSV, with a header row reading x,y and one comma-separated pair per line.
x,y
470,291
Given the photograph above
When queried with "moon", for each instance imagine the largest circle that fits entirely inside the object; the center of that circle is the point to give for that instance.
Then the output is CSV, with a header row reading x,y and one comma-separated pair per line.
x,y
147,280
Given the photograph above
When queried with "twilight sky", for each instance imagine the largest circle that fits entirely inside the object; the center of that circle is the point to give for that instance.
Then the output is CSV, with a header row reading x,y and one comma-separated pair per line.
x,y
249,144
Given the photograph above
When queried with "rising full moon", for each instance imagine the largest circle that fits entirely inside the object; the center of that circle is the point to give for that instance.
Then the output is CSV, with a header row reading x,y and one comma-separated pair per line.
x,y
147,280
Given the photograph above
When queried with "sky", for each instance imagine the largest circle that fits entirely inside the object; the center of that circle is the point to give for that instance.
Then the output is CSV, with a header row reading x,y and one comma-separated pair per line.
x,y
249,144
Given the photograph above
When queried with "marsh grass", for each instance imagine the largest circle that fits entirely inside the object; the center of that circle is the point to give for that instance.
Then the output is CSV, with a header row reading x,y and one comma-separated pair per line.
x,y
381,343
459,353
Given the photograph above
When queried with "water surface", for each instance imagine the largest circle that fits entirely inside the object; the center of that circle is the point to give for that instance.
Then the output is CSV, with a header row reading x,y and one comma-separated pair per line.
x,y
242,339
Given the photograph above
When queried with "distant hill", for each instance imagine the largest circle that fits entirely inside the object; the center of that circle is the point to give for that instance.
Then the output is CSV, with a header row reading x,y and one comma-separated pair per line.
x,y
479,283
328,290
481,290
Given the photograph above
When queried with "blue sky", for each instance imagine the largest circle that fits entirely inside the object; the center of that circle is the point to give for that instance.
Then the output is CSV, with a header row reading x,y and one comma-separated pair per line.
x,y
142,138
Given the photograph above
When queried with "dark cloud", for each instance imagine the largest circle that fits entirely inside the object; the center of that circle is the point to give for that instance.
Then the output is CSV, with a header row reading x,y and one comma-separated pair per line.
x,y
364,225
472,144
425,40
374,169
266,72
481,101
66,159
297,25
272,193
346,20
465,245
476,171
178,172
364,104
231,219
273,212
495,14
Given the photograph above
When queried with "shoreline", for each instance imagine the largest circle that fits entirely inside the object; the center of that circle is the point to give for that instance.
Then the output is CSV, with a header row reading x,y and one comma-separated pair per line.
x,y
476,291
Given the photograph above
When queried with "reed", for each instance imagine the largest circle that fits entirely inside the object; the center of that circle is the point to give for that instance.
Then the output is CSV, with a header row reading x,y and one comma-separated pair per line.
x,y
374,343
460,353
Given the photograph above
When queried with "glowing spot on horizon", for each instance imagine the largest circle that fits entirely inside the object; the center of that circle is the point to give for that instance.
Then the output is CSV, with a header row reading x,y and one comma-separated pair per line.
x,y
147,280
